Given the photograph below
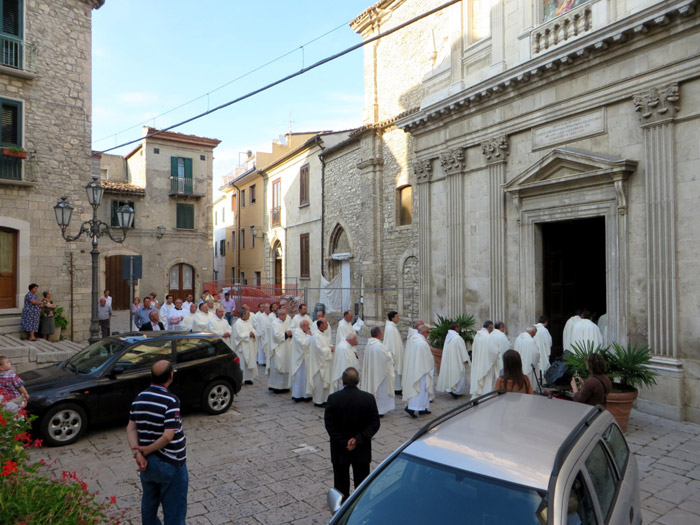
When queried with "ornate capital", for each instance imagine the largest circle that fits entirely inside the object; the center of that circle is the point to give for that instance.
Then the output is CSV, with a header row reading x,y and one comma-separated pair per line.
x,y
423,170
495,149
452,161
657,104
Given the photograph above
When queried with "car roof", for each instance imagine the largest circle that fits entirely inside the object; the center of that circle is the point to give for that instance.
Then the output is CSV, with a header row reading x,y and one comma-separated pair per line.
x,y
139,337
512,437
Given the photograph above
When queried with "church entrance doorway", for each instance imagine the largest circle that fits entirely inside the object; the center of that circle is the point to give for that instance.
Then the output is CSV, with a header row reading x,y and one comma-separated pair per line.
x,y
573,272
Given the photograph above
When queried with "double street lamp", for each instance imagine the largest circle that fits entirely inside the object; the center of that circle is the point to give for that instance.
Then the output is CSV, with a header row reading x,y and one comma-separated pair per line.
x,y
95,229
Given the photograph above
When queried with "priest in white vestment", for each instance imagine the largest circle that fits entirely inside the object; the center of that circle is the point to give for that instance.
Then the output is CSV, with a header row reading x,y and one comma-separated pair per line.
x,y
220,326
529,353
419,366
301,345
164,311
394,344
200,323
345,356
453,368
498,344
569,329
318,375
299,317
269,336
603,326
586,332
260,320
414,330
245,345
175,317
281,347
378,372
480,361
186,324
345,328
543,340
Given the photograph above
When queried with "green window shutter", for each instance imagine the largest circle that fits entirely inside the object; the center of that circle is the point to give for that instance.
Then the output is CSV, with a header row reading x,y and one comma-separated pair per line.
x,y
173,167
11,17
115,206
188,168
185,216
10,120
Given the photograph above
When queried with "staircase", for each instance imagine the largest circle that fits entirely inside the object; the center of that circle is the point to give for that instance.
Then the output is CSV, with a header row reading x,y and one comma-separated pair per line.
x,y
9,324
27,355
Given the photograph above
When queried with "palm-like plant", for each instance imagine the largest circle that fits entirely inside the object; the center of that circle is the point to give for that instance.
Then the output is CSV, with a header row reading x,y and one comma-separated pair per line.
x,y
439,331
576,360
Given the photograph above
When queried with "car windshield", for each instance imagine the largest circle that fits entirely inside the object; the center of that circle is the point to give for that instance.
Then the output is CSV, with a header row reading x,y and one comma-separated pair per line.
x,y
412,490
94,356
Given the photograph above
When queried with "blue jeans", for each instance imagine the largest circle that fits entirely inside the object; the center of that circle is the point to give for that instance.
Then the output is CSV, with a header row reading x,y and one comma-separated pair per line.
x,y
166,484
228,316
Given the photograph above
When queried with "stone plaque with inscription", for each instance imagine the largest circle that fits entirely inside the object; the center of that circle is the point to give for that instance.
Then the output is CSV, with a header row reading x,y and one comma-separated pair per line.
x,y
561,131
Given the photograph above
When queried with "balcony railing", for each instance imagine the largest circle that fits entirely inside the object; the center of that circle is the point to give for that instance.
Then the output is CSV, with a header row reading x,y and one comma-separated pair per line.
x,y
181,186
10,168
562,28
17,54
275,216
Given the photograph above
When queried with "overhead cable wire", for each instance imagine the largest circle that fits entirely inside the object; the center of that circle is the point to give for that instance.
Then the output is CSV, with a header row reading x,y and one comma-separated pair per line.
x,y
290,76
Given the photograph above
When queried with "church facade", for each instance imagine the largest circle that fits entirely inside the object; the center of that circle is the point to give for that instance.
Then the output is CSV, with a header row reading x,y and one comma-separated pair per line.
x,y
552,157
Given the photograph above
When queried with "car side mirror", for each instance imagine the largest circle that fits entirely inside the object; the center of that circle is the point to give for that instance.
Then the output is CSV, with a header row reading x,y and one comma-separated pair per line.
x,y
334,500
117,370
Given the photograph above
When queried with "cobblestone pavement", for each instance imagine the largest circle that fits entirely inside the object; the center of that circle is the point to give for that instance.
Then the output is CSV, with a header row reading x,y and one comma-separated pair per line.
x,y
267,461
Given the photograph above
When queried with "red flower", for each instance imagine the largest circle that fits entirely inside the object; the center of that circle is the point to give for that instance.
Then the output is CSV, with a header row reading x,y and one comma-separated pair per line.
x,y
38,442
10,467
3,421
113,500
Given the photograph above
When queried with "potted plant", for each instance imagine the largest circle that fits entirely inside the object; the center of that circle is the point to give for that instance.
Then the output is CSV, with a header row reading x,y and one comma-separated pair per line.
x,y
60,321
628,369
14,152
438,333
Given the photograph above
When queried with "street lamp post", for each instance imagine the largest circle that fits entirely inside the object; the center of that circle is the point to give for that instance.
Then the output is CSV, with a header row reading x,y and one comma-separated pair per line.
x,y
95,229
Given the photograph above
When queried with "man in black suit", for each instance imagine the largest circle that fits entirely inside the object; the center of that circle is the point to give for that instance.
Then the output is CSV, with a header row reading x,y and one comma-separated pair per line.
x,y
154,325
351,420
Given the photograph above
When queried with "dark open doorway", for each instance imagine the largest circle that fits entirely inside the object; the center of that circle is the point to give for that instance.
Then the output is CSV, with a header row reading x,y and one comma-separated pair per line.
x,y
573,272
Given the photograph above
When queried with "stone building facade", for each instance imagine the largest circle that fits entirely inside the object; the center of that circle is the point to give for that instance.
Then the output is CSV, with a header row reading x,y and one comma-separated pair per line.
x,y
553,155
45,92
167,179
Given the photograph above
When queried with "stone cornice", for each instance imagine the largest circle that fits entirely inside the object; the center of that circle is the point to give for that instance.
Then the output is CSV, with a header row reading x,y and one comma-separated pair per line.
x,y
374,15
452,161
495,149
566,56
657,104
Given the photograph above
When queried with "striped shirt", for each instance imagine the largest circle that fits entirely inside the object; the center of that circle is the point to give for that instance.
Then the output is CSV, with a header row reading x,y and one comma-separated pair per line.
x,y
154,411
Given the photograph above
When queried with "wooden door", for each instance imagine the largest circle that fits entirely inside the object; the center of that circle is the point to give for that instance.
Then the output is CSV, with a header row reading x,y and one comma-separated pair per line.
x,y
8,268
115,283
181,278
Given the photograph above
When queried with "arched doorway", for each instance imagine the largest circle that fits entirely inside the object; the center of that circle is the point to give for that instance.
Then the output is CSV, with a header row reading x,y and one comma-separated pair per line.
x,y
181,280
340,245
277,262
8,268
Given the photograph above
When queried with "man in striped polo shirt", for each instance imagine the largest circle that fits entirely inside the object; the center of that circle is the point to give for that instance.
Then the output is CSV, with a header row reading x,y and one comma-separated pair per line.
x,y
158,443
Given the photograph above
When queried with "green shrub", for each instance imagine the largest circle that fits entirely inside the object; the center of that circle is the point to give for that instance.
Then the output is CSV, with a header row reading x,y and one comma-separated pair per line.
x,y
438,332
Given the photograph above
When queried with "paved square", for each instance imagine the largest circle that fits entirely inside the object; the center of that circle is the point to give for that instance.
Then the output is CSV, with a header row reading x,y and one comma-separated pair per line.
x,y
267,461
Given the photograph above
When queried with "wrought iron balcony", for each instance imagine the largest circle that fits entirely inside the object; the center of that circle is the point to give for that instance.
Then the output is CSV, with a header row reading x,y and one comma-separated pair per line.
x,y
275,216
17,54
180,186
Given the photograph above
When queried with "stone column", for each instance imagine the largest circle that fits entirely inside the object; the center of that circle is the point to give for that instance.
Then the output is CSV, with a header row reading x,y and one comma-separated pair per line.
x,y
657,108
452,163
424,170
495,152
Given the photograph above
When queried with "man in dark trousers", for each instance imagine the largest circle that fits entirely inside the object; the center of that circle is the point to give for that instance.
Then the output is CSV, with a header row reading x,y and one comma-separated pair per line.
x,y
351,420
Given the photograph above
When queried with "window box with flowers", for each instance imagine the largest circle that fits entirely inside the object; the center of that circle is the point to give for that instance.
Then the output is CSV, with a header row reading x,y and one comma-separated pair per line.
x,y
14,152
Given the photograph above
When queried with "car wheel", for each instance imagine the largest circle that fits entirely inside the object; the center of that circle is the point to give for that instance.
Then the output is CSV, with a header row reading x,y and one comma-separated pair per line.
x,y
217,397
63,424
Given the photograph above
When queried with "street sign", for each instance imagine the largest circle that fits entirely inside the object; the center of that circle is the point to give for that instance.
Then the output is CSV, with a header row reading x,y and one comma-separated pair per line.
x,y
126,267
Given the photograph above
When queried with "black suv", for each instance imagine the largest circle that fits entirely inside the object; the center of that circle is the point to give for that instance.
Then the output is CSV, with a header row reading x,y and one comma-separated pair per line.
x,y
99,383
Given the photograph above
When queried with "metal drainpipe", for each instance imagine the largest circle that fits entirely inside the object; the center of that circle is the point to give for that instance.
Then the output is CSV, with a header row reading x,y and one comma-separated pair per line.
x,y
72,270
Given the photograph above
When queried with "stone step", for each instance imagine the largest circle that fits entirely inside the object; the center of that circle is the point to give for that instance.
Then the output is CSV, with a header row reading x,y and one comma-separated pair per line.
x,y
26,355
9,324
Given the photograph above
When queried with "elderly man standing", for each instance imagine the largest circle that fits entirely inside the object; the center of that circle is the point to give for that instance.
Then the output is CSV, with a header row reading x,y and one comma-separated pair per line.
x,y
345,356
455,358
318,377
158,444
219,326
281,347
378,372
200,323
301,344
481,366
419,366
186,325
394,344
344,329
245,345
526,346
104,316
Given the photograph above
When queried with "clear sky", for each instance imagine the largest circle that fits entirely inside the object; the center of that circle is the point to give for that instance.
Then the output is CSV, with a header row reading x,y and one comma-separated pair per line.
x,y
150,56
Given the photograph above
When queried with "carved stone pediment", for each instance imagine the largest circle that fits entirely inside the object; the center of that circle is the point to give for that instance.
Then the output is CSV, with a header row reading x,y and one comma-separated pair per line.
x,y
565,168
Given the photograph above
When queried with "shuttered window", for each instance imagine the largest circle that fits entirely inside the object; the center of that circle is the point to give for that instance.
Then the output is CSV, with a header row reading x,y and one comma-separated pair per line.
x,y
252,193
304,262
185,216
304,185
11,17
11,134
222,246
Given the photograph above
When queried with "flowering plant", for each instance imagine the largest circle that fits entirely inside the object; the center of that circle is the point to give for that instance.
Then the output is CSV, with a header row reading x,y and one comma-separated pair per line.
x,y
31,492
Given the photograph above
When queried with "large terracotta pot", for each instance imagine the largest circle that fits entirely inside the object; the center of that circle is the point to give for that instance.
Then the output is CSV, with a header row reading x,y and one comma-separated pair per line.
x,y
55,337
619,404
437,355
